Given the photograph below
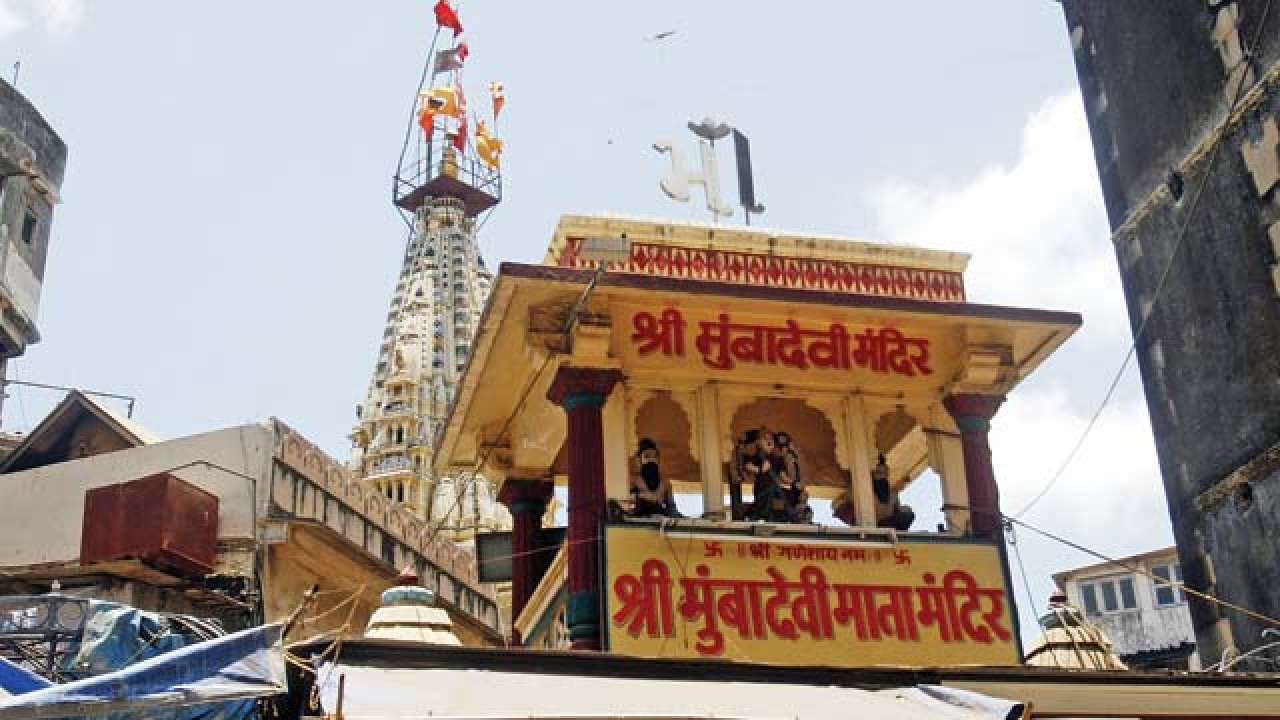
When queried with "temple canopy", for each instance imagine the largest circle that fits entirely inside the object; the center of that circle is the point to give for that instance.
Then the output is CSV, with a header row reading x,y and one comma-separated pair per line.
x,y
850,370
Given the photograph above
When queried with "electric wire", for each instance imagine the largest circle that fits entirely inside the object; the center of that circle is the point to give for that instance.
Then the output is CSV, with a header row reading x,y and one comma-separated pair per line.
x,y
488,450
22,406
1164,276
1151,576
570,322
1012,538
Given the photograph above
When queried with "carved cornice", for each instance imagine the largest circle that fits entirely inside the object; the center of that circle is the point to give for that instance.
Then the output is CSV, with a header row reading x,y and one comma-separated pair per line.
x,y
769,270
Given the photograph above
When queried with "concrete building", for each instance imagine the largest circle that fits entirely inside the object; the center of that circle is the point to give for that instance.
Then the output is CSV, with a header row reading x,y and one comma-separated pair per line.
x,y
32,160
1201,272
289,517
1147,622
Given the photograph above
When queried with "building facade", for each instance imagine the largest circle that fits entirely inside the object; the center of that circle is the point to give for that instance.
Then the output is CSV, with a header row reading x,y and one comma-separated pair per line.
x,y
434,311
1147,622
688,364
32,160
1182,95
288,519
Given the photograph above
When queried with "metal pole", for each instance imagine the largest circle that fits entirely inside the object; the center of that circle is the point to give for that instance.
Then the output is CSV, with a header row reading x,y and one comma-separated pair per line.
x,y
27,383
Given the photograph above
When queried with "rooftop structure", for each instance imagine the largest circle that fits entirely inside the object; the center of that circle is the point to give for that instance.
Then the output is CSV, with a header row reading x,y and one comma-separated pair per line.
x,y
758,370
287,518
390,679
1136,601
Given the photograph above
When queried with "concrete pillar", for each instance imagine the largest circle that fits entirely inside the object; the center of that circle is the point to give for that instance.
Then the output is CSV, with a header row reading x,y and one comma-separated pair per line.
x,y
527,501
946,457
864,499
582,393
707,435
972,413
617,454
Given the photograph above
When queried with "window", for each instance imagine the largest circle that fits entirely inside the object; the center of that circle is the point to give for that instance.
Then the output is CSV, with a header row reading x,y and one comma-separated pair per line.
x,y
1166,595
1106,595
29,223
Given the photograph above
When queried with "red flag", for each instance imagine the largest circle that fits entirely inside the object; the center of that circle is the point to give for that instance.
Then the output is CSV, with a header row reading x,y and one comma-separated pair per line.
x,y
446,17
460,140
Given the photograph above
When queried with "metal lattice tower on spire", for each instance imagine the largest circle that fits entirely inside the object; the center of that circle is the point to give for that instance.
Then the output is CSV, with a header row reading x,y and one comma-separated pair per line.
x,y
441,186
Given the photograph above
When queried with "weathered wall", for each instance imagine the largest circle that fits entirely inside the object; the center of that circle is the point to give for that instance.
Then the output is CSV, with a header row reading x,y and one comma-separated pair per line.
x,y
27,144
1148,628
20,117
1157,79
42,522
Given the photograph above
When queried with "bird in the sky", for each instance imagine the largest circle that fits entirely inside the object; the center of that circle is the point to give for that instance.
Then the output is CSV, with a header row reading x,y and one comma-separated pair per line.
x,y
661,36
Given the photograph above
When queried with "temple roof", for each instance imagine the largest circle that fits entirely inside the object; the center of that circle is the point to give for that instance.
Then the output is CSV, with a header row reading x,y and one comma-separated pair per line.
x,y
528,299
78,426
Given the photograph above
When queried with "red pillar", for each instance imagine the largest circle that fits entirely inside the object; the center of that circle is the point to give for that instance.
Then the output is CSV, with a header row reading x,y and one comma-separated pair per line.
x,y
527,500
972,413
582,393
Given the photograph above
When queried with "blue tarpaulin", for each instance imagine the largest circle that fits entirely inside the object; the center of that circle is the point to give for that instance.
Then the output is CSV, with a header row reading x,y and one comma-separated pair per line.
x,y
196,681
16,680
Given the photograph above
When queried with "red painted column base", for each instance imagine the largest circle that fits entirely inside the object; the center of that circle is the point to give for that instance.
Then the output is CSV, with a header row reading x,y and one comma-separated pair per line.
x,y
527,501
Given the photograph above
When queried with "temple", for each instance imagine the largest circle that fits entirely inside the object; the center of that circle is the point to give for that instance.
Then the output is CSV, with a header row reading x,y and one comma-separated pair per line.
x,y
448,175
769,374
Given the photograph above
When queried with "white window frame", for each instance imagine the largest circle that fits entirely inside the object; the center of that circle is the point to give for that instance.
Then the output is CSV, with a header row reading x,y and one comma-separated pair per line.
x,y
1175,575
1114,580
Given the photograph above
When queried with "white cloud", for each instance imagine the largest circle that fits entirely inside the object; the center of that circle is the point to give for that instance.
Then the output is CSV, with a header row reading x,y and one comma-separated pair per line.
x,y
57,17
61,16
1038,235
10,19
1036,229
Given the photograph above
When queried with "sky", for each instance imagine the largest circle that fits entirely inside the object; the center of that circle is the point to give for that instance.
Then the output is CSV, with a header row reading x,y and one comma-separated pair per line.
x,y
226,247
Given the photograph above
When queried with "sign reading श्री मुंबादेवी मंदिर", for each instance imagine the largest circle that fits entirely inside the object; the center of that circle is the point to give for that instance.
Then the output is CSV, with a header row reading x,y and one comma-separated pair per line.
x,y
796,601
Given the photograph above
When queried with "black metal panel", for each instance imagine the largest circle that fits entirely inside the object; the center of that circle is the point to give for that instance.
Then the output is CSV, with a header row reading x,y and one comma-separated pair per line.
x,y
493,552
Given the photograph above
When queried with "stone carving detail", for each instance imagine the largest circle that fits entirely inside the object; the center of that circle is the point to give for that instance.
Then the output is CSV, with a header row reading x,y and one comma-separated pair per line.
x,y
786,272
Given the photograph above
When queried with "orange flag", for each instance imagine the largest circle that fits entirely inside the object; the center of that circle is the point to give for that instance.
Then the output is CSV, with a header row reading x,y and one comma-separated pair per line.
x,y
499,95
488,147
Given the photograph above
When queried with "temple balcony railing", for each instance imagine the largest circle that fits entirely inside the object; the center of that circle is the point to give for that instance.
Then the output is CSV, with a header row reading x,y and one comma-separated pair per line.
x,y
432,173
397,409
390,466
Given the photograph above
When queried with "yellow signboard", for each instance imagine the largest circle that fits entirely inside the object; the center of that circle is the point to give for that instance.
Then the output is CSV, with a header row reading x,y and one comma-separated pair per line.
x,y
802,601
834,349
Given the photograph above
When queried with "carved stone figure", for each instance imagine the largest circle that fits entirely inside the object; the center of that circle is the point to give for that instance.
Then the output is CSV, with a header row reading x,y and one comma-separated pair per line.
x,y
651,494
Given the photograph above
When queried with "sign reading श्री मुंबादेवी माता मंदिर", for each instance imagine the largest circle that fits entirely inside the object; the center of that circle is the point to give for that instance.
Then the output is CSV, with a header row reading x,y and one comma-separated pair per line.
x,y
797,601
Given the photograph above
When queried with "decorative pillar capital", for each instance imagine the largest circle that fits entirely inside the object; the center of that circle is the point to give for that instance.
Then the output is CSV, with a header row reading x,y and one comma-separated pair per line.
x,y
972,411
576,386
526,496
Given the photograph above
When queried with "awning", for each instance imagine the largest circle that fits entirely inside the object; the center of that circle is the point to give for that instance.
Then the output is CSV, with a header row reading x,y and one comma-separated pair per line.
x,y
247,664
380,692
